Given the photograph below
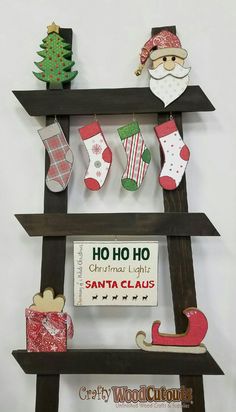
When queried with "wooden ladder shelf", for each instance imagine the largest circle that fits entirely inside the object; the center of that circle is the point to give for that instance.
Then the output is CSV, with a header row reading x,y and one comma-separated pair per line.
x,y
176,224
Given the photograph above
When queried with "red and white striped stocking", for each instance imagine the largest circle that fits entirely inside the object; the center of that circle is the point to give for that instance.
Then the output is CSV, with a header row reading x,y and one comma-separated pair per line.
x,y
138,156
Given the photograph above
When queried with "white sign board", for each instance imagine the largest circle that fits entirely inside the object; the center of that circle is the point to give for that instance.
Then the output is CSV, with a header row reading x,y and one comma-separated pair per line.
x,y
115,273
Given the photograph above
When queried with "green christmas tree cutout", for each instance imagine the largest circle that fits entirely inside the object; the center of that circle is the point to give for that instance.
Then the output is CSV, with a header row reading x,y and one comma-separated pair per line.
x,y
56,64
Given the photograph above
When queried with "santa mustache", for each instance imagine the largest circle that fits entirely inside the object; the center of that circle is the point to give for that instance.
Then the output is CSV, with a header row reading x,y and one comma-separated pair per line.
x,y
160,72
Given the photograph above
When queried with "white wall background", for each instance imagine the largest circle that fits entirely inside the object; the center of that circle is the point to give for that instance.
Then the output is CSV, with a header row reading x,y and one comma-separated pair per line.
x,y
108,35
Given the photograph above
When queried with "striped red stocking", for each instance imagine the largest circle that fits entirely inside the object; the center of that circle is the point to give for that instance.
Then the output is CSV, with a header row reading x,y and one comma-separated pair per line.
x,y
138,156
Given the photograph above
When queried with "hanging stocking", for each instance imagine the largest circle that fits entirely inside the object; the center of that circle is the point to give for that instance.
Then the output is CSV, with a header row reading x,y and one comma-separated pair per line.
x,y
138,156
100,155
61,157
176,155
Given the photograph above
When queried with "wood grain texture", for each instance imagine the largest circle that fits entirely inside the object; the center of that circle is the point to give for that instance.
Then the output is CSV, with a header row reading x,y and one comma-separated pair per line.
x,y
116,361
48,302
196,383
53,249
47,393
182,272
53,264
53,260
108,101
171,224
179,249
181,265
143,344
48,366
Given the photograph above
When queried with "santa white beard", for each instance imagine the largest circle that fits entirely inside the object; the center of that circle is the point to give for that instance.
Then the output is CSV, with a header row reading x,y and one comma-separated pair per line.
x,y
169,85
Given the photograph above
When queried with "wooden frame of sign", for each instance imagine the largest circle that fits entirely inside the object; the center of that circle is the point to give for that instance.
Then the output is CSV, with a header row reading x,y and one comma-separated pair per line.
x,y
49,366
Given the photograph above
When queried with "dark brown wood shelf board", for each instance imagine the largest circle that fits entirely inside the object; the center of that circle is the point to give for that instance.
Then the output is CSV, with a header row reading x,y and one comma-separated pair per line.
x,y
163,224
108,101
116,361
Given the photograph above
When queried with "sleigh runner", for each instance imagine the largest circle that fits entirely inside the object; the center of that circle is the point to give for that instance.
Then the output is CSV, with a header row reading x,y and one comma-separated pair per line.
x,y
188,342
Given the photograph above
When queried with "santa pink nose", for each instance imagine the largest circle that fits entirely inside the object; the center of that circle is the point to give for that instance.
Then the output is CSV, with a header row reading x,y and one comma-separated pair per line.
x,y
169,64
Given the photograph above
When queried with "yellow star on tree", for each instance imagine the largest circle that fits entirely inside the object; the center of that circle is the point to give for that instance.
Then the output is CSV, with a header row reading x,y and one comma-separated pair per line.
x,y
53,28
56,64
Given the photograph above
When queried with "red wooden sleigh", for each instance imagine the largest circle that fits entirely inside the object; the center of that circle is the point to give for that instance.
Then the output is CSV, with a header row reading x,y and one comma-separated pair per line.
x,y
189,342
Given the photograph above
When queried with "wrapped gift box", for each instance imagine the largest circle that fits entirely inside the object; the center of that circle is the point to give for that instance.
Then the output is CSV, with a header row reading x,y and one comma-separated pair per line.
x,y
47,331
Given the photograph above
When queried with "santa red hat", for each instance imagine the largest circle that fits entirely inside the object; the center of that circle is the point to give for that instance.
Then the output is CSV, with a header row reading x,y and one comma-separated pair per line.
x,y
162,44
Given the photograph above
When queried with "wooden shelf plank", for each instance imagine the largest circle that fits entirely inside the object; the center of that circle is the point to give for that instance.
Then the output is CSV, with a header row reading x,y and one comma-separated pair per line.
x,y
163,224
116,361
108,101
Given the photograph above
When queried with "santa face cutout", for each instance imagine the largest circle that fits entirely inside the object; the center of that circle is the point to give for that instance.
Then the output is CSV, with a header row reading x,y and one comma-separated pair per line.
x,y
169,78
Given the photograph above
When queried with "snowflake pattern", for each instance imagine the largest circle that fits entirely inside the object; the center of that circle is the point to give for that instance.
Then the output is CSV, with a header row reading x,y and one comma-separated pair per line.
x,y
97,164
47,331
96,149
100,155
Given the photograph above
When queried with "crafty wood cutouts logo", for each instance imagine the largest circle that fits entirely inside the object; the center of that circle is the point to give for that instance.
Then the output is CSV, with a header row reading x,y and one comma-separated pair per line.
x,y
145,396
